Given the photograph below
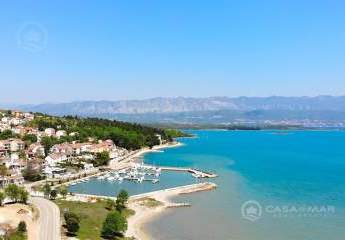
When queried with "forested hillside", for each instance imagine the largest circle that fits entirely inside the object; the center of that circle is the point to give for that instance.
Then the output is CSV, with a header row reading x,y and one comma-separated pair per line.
x,y
127,135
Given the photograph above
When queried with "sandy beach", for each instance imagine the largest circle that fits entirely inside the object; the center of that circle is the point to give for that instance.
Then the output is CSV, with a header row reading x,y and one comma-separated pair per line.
x,y
135,156
144,214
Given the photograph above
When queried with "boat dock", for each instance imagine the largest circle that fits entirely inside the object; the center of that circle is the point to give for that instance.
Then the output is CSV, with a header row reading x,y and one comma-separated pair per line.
x,y
195,172
176,205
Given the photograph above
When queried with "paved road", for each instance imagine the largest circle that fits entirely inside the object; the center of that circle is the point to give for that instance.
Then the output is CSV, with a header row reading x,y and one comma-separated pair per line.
x,y
49,219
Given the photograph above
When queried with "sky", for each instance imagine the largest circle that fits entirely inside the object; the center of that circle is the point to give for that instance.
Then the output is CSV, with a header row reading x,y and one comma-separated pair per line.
x,y
61,51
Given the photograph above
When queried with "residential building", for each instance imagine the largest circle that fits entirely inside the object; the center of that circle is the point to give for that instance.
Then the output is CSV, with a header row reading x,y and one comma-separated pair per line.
x,y
12,145
49,132
17,145
55,158
12,179
63,148
35,150
61,133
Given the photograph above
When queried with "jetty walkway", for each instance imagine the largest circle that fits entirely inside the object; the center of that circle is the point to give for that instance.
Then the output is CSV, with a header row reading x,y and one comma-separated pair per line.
x,y
198,187
195,172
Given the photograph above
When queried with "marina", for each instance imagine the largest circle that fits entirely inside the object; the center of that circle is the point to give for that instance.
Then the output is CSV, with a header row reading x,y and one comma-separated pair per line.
x,y
139,173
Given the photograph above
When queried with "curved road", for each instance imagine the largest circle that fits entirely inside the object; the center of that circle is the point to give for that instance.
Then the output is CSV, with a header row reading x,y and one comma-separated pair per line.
x,y
49,219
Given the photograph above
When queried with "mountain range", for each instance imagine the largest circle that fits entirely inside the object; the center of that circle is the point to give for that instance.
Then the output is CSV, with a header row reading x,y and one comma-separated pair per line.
x,y
212,109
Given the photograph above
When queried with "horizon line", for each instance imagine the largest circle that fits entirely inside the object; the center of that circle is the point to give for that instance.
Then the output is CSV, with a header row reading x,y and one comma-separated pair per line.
x,y
160,97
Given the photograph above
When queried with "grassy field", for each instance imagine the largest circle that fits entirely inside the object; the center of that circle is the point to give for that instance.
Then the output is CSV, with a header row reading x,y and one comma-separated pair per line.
x,y
16,236
91,217
150,202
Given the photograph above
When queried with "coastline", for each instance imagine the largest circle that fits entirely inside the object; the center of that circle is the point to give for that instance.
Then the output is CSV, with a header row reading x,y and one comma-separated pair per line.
x,y
144,214
134,156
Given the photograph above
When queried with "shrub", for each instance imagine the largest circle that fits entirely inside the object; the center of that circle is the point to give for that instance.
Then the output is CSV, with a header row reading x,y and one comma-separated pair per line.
x,y
121,200
114,225
53,194
21,227
72,222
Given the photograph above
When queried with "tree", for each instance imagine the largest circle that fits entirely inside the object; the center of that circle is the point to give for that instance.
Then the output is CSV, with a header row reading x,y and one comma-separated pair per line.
x,y
63,191
31,174
102,159
21,227
121,200
23,195
72,226
47,143
6,134
2,198
46,190
53,194
12,191
72,222
17,193
127,135
114,225
30,138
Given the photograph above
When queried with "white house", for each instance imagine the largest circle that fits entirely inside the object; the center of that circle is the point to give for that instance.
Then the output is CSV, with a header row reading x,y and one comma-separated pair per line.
x,y
35,150
72,134
14,164
88,166
12,145
20,130
61,133
5,120
17,145
55,158
29,116
16,121
51,168
49,132
4,126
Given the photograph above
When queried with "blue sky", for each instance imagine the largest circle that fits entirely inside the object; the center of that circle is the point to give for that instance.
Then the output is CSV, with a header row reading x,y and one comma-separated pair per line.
x,y
57,51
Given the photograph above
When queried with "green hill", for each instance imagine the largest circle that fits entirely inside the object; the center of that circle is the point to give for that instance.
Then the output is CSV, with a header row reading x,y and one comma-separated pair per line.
x,y
127,135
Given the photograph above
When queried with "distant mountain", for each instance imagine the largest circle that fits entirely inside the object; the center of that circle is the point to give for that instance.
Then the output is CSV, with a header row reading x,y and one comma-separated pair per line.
x,y
217,109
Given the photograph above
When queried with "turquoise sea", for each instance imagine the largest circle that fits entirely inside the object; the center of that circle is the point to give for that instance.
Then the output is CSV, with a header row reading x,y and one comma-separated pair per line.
x,y
294,182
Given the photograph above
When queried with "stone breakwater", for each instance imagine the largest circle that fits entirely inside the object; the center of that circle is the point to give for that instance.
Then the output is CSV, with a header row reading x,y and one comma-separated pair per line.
x,y
169,192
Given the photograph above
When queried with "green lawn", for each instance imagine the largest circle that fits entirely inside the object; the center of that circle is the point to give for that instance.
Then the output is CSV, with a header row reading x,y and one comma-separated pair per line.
x,y
16,236
91,217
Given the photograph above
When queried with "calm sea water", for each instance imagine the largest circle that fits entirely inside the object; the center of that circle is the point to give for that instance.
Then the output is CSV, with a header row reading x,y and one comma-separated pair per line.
x,y
297,180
